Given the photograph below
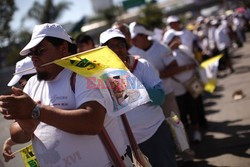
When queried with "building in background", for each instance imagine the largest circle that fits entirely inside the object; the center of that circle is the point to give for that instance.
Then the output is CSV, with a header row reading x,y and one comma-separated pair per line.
x,y
99,5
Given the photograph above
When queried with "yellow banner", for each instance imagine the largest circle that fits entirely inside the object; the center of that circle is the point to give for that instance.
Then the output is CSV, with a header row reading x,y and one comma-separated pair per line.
x,y
28,156
92,62
106,71
210,61
211,68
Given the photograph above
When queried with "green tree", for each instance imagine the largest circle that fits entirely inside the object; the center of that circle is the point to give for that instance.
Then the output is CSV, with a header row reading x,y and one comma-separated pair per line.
x,y
17,42
111,13
151,16
7,9
47,12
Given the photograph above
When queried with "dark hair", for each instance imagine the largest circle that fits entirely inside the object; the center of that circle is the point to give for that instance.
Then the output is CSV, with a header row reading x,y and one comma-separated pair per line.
x,y
84,38
58,41
28,76
118,38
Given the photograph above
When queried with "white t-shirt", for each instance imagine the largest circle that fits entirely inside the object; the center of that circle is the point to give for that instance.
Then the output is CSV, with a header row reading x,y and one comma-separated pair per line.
x,y
183,57
211,37
187,38
54,147
222,39
136,51
144,120
160,57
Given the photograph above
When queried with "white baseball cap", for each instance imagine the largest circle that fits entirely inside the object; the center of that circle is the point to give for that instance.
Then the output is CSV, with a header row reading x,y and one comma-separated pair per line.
x,y
170,34
109,34
42,31
22,65
172,19
136,29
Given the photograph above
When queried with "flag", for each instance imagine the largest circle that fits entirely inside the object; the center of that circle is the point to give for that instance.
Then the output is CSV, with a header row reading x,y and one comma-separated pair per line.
x,y
92,62
105,70
210,67
28,156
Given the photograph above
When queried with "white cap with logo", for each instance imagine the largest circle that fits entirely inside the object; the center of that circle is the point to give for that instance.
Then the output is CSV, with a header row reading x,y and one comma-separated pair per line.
x,y
42,31
109,34
22,68
136,29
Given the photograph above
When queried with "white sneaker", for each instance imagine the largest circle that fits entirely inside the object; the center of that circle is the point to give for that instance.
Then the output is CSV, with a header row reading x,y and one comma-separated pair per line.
x,y
197,136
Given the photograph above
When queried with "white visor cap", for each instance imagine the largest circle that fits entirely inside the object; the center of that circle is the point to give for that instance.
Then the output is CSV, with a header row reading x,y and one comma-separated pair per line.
x,y
170,34
42,31
23,67
110,34
136,29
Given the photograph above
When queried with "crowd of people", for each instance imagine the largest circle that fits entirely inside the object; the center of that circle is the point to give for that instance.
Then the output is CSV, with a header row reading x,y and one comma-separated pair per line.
x,y
64,125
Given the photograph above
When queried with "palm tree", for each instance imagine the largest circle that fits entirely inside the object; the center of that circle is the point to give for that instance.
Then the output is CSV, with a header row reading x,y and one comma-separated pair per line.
x,y
47,12
151,16
7,9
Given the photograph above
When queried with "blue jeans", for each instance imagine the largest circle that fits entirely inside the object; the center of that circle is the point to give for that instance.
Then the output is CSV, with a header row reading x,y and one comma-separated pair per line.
x,y
160,148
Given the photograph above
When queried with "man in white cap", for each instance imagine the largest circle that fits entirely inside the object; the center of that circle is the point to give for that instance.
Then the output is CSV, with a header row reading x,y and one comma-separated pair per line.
x,y
146,121
160,56
124,28
214,23
186,69
63,124
24,70
223,43
187,38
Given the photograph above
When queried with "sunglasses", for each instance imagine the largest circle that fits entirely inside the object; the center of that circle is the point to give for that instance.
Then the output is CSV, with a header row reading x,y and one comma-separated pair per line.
x,y
36,52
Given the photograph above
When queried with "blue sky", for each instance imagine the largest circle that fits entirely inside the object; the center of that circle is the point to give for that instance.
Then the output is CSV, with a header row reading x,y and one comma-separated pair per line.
x,y
76,11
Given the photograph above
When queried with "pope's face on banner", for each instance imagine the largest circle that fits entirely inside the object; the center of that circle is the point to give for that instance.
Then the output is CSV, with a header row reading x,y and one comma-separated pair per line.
x,y
118,84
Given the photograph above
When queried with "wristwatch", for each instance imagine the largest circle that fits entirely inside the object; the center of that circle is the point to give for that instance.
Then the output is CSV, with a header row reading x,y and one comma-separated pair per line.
x,y
35,114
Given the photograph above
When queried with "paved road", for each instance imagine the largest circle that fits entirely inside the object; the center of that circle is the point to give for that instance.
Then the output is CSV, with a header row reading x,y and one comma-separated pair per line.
x,y
227,141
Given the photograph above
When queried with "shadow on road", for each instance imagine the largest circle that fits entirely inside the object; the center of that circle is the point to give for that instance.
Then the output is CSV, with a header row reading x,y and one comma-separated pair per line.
x,y
202,163
223,138
236,56
242,69
211,111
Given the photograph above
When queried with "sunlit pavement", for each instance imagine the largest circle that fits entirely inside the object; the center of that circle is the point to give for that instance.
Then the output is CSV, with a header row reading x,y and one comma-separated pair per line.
x,y
226,143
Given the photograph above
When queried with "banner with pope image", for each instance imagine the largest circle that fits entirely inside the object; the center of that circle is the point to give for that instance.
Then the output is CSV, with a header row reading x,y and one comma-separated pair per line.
x,y
105,70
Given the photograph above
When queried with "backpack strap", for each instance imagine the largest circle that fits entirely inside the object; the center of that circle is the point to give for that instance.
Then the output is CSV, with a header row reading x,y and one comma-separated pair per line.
x,y
73,81
134,146
136,58
110,147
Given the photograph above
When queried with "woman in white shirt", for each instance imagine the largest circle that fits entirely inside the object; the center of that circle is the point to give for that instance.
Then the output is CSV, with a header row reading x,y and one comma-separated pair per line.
x,y
189,106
